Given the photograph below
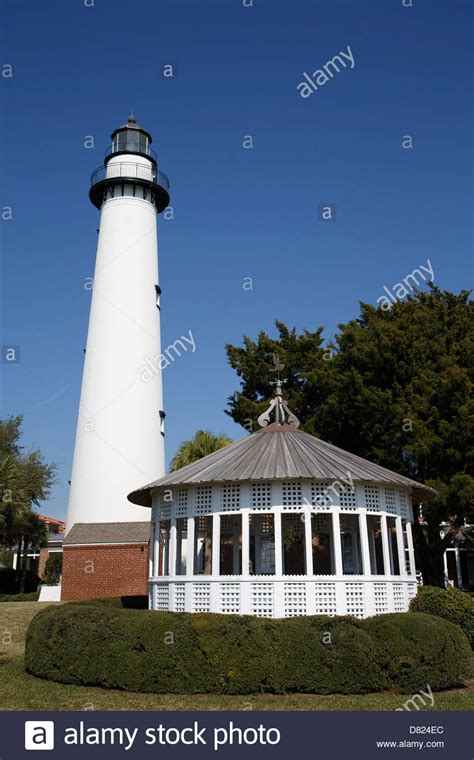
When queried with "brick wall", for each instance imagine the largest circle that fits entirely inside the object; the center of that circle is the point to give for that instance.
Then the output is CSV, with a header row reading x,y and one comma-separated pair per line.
x,y
44,554
94,572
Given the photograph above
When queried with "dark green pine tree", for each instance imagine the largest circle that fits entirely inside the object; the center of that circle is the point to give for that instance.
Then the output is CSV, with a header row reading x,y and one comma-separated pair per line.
x,y
396,388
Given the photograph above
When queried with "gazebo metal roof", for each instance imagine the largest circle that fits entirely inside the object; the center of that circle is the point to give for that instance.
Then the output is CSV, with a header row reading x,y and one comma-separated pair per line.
x,y
278,452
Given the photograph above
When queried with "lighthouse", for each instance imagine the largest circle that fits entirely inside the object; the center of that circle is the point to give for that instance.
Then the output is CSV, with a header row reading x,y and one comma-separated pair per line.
x,y
120,436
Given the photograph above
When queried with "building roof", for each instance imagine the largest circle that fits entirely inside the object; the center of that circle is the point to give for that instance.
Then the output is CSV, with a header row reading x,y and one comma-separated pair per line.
x,y
51,520
108,533
279,452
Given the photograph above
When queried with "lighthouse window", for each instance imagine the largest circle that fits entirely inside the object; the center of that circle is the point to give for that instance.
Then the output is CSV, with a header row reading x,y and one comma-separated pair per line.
x,y
158,296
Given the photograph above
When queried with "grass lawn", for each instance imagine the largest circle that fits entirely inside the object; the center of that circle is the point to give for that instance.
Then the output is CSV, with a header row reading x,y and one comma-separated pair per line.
x,y
19,691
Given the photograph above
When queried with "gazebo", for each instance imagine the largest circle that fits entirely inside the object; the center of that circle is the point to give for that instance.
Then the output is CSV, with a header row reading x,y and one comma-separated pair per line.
x,y
279,524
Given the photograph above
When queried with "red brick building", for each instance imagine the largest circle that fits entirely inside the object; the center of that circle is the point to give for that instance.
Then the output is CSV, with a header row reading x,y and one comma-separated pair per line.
x,y
103,560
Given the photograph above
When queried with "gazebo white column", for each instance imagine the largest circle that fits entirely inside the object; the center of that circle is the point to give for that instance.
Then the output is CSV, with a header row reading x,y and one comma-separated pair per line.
x,y
156,551
400,546
411,551
190,548
387,568
278,544
216,544
215,570
257,521
245,542
151,549
172,548
308,543
245,586
364,543
190,541
336,533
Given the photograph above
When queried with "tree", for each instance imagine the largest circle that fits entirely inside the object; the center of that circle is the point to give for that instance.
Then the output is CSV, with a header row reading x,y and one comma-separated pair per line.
x,y
396,389
306,372
202,444
25,480
53,569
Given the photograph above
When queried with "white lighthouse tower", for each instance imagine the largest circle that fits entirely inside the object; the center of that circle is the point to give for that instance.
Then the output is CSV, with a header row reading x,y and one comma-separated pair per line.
x,y
119,438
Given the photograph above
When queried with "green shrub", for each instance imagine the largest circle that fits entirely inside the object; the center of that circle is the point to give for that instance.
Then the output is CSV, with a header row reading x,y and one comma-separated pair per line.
x,y
450,604
415,650
53,569
99,644
33,597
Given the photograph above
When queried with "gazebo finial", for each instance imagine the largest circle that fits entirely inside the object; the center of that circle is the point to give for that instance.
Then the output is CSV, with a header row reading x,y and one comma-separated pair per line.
x,y
278,403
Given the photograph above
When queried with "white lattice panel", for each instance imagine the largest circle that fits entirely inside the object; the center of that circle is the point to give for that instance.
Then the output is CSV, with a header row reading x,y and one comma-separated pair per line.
x,y
381,598
203,500
319,497
412,591
229,598
402,500
182,502
291,493
372,499
355,602
390,501
399,604
261,496
161,597
230,498
347,497
261,599
179,597
295,599
201,597
325,594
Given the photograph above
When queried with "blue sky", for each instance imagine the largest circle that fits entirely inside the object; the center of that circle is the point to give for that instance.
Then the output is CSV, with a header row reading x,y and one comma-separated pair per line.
x,y
238,213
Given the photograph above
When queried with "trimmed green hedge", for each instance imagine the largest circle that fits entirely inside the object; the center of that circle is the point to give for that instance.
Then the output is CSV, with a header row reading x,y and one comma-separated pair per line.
x,y
450,604
415,648
33,597
177,653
